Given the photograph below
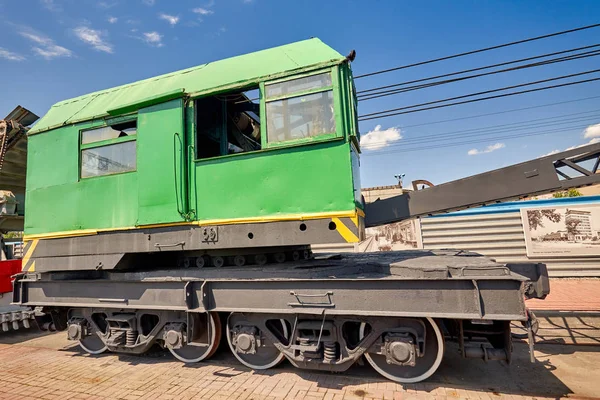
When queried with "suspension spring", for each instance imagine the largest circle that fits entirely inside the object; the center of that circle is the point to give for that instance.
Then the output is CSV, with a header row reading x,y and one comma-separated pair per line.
x,y
329,352
131,337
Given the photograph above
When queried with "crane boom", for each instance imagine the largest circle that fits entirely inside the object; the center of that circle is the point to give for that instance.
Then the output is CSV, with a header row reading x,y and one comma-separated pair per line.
x,y
565,170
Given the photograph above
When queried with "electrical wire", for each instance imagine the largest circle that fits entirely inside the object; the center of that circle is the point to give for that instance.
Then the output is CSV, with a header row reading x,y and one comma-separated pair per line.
x,y
477,51
477,69
500,112
511,127
487,140
384,93
391,113
484,136
481,93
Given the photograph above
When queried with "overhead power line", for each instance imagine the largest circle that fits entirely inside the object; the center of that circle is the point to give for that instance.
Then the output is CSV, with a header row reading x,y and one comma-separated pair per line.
x,y
478,69
403,110
500,112
486,140
511,127
482,93
389,92
477,51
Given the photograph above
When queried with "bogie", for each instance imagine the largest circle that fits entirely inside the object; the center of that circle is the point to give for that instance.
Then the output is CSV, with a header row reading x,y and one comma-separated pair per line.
x,y
405,350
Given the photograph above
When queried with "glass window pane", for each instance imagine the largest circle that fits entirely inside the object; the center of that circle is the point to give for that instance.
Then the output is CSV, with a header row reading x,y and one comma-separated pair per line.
x,y
109,132
298,85
300,117
107,160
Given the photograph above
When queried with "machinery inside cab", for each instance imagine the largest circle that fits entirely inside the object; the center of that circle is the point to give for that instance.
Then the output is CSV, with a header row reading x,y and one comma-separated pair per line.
x,y
264,138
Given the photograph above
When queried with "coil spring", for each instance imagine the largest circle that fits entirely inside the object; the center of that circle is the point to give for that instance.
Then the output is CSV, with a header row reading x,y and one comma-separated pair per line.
x,y
131,337
329,352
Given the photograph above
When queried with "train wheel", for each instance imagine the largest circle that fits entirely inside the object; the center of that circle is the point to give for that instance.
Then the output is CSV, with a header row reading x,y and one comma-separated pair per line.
x,y
242,336
425,366
93,344
194,354
217,261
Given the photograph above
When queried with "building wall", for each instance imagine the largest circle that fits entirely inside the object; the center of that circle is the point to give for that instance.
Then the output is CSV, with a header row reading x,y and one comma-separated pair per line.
x,y
497,232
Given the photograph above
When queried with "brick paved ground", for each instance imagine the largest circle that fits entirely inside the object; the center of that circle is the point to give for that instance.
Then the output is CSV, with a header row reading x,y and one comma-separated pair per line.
x,y
49,367
570,295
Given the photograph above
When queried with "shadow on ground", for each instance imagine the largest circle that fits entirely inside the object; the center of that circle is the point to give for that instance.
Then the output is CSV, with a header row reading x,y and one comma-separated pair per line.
x,y
562,368
454,375
22,335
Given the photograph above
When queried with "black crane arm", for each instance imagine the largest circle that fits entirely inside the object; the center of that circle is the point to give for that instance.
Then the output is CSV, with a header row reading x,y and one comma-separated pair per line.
x,y
560,171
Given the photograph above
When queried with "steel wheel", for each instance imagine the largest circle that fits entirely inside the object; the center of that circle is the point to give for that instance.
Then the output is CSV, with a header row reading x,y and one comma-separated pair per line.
x,y
194,354
266,356
425,366
93,344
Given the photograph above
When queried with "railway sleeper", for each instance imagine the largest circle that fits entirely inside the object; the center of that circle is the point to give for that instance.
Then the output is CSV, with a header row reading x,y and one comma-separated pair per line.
x,y
405,350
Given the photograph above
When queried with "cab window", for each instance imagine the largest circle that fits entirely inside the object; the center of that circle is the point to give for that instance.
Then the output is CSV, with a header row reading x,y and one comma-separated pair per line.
x,y
300,108
228,123
108,150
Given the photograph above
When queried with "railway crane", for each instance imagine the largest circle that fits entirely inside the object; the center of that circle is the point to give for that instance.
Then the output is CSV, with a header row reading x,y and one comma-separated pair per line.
x,y
180,210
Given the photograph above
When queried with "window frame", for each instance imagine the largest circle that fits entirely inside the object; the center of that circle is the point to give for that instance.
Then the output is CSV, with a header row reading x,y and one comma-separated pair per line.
x,y
106,142
337,108
192,122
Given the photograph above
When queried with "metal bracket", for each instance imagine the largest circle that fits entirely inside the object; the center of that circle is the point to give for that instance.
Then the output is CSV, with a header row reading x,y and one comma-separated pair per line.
x,y
189,295
327,298
530,339
160,246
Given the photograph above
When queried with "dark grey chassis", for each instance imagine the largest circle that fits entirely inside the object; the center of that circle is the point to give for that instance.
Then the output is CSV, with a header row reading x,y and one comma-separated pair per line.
x,y
471,295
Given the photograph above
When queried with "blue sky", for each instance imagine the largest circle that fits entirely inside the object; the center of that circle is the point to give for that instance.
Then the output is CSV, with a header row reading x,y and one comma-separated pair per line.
x,y
51,50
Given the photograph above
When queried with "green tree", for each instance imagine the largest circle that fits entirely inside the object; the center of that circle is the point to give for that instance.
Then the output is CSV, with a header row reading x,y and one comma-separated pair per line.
x,y
535,217
567,193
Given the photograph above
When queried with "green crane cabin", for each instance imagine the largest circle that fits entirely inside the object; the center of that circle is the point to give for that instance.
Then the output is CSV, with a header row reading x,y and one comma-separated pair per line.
x,y
259,151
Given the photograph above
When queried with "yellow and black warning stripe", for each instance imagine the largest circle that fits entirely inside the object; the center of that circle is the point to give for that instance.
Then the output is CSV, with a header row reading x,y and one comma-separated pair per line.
x,y
28,250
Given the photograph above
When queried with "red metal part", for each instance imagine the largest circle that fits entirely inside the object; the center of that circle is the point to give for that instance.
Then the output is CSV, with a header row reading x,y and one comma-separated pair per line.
x,y
8,268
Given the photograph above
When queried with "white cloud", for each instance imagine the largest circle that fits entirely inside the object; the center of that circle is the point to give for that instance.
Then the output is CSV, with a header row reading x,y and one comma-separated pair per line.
x,y
488,149
592,131
171,19
202,11
592,141
149,3
50,5
94,38
551,153
45,46
10,56
106,5
153,39
112,20
378,139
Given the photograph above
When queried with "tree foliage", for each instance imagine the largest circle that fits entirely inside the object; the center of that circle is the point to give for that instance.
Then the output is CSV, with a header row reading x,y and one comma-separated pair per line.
x,y
568,193
536,217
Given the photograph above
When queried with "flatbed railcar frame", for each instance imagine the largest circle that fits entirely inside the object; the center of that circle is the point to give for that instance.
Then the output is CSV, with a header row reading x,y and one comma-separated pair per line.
x,y
338,295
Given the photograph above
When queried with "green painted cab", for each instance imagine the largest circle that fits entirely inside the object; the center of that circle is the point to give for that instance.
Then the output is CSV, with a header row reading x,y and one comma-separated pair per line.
x,y
266,136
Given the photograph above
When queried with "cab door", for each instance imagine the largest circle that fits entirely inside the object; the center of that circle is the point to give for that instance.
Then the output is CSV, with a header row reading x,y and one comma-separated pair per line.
x,y
161,163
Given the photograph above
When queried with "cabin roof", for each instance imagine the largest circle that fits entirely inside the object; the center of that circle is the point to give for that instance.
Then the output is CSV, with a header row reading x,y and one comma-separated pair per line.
x,y
202,78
